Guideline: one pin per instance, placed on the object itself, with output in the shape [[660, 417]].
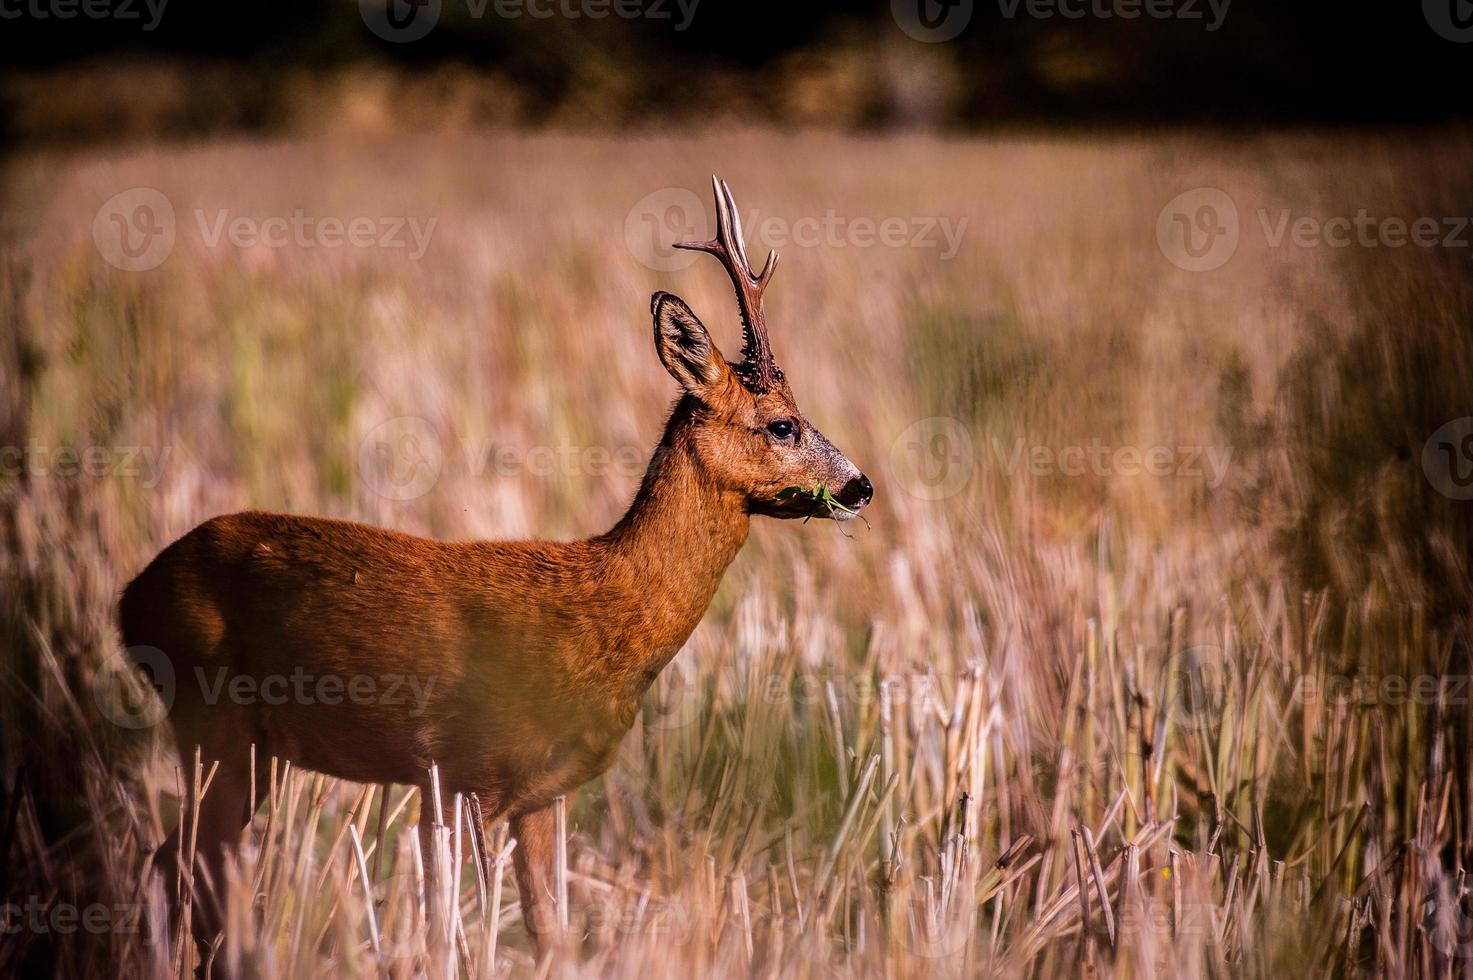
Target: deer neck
[[675, 543]]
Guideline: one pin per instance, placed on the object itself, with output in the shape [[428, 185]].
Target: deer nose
[[857, 492]]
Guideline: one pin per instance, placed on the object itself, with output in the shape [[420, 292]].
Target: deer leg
[[532, 860]]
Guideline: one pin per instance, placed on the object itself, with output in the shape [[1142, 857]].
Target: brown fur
[[533, 655]]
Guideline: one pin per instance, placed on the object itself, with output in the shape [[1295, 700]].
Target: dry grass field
[[1152, 659]]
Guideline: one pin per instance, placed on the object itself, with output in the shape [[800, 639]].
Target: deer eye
[[781, 429]]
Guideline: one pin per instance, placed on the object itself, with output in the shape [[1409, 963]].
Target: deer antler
[[758, 370]]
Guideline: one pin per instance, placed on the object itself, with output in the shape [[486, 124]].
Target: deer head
[[748, 432]]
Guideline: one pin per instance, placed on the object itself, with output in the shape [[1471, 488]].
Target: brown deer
[[533, 655]]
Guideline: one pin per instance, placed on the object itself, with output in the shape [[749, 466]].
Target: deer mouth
[[785, 508], [818, 501]]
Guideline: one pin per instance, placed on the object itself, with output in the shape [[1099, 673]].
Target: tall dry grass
[[1024, 723]]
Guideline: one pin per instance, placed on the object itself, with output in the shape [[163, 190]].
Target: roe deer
[[534, 655]]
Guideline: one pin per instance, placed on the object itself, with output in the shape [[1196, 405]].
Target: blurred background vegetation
[[309, 66]]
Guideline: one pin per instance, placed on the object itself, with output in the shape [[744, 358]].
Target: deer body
[[516, 667], [491, 648]]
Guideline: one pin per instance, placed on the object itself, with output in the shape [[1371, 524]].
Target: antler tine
[[734, 226], [758, 369], [729, 224]]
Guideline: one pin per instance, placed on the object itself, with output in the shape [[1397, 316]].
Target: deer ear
[[684, 345]]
